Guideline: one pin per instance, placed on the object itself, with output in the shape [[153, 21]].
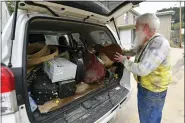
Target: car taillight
[[8, 96]]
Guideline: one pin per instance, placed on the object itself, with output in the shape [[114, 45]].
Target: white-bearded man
[[151, 68]]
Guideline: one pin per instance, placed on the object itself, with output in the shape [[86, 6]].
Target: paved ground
[[174, 107]]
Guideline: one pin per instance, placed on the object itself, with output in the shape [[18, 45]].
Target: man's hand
[[120, 58]]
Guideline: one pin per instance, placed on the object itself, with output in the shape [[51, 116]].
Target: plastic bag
[[95, 71]]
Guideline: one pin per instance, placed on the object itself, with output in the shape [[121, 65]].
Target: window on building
[[133, 35], [100, 37], [126, 18], [134, 19], [76, 38]]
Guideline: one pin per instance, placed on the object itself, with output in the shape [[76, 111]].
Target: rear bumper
[[111, 114], [107, 110], [107, 118], [104, 112], [11, 118], [97, 109]]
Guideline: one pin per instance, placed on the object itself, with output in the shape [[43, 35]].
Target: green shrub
[[175, 26], [173, 45]]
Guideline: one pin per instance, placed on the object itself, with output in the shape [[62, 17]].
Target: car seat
[[36, 38]]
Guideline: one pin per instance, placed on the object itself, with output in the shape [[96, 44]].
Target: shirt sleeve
[[155, 54]]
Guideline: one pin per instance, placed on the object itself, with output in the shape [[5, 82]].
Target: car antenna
[[13, 31]]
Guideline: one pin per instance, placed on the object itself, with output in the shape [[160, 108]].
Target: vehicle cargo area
[[67, 63]]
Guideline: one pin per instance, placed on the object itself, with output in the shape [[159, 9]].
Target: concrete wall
[[126, 38], [126, 35], [131, 20], [165, 26]]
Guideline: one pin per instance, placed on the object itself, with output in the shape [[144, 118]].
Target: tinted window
[[57, 40], [100, 37], [76, 38]]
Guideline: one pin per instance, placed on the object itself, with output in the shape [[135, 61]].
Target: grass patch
[[173, 45], [177, 25]]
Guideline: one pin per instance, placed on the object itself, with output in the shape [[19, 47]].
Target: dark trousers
[[150, 105]]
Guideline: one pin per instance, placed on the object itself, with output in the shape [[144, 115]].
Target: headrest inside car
[[62, 40], [36, 38]]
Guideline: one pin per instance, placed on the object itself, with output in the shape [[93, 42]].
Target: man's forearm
[[136, 68]]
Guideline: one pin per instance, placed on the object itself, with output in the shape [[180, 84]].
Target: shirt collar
[[151, 38], [140, 47], [154, 36]]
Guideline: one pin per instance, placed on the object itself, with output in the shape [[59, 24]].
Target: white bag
[[60, 69]]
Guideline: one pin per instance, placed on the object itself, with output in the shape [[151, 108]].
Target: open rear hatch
[[94, 11], [101, 98], [70, 104]]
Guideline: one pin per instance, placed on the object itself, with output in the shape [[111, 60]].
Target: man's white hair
[[151, 19]]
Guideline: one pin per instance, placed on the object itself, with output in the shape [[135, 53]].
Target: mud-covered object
[[97, 48], [95, 71], [81, 88], [42, 89], [31, 75], [111, 50], [119, 69], [40, 99], [66, 88], [80, 71], [106, 61]]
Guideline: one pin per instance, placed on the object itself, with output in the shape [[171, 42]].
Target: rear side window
[[76, 38], [57, 40], [100, 37], [51, 39]]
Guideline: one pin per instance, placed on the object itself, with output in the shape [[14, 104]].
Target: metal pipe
[[180, 26]]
